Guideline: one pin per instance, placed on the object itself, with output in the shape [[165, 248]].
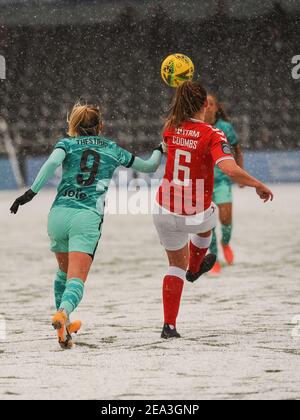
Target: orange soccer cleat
[[228, 254], [59, 323], [216, 270], [74, 327]]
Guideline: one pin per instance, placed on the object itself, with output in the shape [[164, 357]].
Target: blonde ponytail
[[84, 120]]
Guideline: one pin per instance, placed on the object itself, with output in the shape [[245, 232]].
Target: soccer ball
[[177, 69]]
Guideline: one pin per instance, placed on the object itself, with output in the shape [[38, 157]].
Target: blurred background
[[110, 53]]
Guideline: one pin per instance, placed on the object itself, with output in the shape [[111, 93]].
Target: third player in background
[[222, 197]]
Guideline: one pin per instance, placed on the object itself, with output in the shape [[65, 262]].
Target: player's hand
[[20, 201], [159, 148], [163, 148], [264, 193]]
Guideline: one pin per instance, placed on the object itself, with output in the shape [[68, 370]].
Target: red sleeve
[[166, 136], [220, 147]]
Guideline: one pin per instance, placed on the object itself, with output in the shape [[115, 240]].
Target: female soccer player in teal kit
[[75, 220], [216, 116]]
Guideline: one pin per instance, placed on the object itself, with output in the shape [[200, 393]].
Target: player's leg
[[60, 287], [83, 237], [223, 199], [61, 276], [217, 198], [225, 210], [78, 270], [58, 234], [175, 243], [214, 241], [200, 263], [84, 234], [79, 267], [216, 270], [173, 284], [179, 260], [199, 245]]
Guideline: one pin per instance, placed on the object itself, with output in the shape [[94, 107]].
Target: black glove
[[24, 199], [160, 148]]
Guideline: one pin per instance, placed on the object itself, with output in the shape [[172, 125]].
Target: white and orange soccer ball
[[177, 69]]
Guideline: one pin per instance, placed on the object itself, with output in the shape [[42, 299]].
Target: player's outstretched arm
[[240, 176], [150, 165], [238, 155], [47, 171]]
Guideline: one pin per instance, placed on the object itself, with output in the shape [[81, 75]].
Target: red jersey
[[193, 151]]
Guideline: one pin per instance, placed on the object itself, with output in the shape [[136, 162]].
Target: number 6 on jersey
[[181, 169]]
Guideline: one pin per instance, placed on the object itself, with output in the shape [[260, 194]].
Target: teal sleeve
[[63, 144], [150, 165], [232, 136], [48, 169], [124, 157]]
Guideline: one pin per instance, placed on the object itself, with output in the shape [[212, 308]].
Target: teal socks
[[214, 245], [226, 238], [59, 287], [72, 295], [226, 234]]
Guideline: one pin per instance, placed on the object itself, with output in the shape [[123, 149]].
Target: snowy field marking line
[[237, 330]]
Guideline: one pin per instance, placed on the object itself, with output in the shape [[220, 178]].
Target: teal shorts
[[74, 230], [222, 193]]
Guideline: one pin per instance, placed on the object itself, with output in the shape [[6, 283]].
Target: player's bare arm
[[238, 155], [240, 176]]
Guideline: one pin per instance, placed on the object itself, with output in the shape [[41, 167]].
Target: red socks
[[198, 249], [174, 280], [172, 291]]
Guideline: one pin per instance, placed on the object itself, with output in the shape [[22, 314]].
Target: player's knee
[[226, 222], [181, 263], [226, 218], [78, 273]]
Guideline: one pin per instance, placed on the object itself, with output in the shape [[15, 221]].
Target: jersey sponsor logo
[[179, 141], [76, 194], [187, 133]]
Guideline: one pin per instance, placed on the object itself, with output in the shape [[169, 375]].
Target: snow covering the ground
[[237, 330]]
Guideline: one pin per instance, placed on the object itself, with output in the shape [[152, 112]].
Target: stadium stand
[[247, 62]]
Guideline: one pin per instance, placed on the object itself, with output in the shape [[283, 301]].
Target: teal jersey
[[88, 168], [232, 137]]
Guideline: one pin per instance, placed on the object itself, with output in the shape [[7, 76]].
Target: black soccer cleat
[[208, 263], [169, 332]]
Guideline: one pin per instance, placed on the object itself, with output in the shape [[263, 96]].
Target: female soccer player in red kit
[[184, 201]]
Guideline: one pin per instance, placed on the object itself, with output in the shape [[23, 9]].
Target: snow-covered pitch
[[240, 334]]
